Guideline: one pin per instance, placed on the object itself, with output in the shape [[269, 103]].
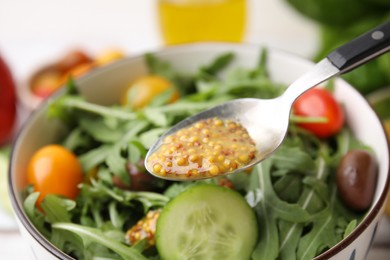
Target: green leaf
[[268, 245], [219, 63], [155, 117], [345, 142], [293, 159], [70, 102], [150, 137], [322, 235], [117, 165], [70, 86], [289, 187], [76, 139], [100, 131], [163, 98], [57, 209], [134, 129], [290, 233], [136, 151], [95, 235], [261, 181], [94, 157], [270, 208], [35, 216], [115, 217], [261, 69], [159, 67], [104, 174], [350, 227], [29, 204]]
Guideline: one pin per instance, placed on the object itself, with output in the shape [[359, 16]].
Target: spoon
[[267, 120]]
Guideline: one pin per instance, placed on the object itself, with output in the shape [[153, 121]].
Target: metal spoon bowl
[[267, 120]]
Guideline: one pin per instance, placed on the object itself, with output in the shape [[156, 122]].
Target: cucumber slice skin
[[207, 222]]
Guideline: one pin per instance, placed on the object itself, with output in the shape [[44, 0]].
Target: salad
[[97, 201]]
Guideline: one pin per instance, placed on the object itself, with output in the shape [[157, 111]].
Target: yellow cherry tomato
[[108, 56], [142, 91], [54, 170]]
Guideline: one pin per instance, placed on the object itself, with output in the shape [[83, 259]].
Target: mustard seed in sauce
[[205, 149]]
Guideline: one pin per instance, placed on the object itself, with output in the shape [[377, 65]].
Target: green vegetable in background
[[383, 3], [336, 12]]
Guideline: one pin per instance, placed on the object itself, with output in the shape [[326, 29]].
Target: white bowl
[[105, 85]]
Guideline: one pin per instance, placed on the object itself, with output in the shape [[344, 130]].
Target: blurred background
[[44, 41]]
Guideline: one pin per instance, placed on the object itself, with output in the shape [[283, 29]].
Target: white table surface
[[35, 32]]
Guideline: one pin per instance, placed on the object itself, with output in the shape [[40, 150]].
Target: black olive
[[356, 179]]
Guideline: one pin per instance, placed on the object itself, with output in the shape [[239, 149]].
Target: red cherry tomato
[[54, 170], [7, 103], [319, 102]]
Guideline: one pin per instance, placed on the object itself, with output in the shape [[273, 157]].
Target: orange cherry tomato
[[318, 102], [54, 170], [73, 59], [76, 72], [142, 91]]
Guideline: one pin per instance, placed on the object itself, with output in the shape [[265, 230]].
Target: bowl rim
[[34, 233]]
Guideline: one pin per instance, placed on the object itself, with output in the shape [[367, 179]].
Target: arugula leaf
[[270, 211], [261, 184], [116, 218], [345, 141], [57, 209], [36, 216], [156, 117], [322, 234], [293, 159], [268, 245], [88, 235], [150, 137], [290, 234], [101, 131], [77, 139], [220, 62], [162, 99], [117, 165], [68, 103], [94, 157], [136, 151], [289, 187], [111, 153], [350, 227]]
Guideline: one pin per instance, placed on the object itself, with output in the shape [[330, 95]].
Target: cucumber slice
[[207, 222]]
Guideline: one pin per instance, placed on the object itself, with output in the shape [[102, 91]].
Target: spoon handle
[[362, 49]]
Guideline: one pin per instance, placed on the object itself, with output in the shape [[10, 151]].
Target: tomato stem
[[308, 119]]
